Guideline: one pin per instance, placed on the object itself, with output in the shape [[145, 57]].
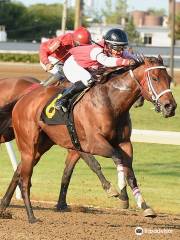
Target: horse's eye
[[154, 78]]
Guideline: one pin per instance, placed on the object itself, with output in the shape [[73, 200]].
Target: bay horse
[[12, 90], [102, 123]]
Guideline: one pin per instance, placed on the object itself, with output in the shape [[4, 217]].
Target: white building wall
[[161, 39], [160, 35]]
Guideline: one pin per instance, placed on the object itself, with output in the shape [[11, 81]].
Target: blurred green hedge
[[14, 57]]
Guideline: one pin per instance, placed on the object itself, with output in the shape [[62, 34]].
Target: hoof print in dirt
[[5, 215]]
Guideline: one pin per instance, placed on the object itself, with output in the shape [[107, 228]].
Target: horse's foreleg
[[127, 152], [95, 167], [25, 183], [10, 191], [123, 196], [71, 160]]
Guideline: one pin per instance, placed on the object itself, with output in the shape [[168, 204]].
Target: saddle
[[51, 116]]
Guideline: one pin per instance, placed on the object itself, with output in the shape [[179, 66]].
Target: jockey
[[110, 52], [55, 51]]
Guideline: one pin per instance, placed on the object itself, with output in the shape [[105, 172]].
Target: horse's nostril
[[167, 106], [170, 107]]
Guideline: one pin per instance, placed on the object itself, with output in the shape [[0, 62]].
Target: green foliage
[[157, 12], [114, 16], [12, 15], [27, 58], [133, 35], [33, 22], [177, 27]]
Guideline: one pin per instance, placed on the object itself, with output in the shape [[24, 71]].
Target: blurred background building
[[3, 34]]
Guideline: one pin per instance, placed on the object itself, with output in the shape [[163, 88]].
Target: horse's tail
[[6, 116]]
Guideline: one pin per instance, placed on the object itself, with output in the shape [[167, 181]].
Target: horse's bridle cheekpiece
[[155, 97]]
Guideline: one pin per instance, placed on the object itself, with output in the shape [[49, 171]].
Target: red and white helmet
[[82, 36]]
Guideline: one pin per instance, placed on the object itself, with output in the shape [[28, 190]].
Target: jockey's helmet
[[115, 40], [81, 36]]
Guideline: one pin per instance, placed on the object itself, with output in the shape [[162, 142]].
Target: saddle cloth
[[50, 115]]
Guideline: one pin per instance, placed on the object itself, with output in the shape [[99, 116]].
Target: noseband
[[154, 96]]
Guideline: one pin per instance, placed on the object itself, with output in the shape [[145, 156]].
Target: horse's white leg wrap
[[121, 177], [138, 197]]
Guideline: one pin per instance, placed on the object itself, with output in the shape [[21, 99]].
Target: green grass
[[156, 168], [146, 118]]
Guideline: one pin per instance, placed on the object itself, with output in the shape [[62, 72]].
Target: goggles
[[118, 48]]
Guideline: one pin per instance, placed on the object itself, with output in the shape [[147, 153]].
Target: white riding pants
[[52, 60], [74, 72]]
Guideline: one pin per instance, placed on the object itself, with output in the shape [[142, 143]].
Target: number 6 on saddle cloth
[[52, 116]]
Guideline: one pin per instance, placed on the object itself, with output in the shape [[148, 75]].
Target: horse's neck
[[123, 92]]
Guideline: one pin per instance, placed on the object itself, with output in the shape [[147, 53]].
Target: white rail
[[161, 137], [14, 163]]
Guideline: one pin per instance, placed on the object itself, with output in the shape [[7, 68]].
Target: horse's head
[[155, 85]]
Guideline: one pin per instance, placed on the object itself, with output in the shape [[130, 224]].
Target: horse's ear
[[160, 59], [146, 61]]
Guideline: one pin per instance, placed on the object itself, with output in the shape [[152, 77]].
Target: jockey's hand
[[49, 67], [139, 58], [132, 62]]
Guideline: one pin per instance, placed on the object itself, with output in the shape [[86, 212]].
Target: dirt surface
[[86, 223], [21, 69], [80, 222]]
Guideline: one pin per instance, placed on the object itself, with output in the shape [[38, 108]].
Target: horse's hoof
[[34, 220], [112, 192], [124, 204], [61, 207], [149, 212]]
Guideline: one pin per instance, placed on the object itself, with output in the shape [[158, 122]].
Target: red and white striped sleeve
[[98, 55]]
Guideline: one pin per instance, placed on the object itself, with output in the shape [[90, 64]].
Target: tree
[[177, 27], [133, 35], [157, 12], [33, 22], [11, 14], [114, 16]]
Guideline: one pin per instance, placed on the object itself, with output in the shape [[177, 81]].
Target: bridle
[[154, 96]]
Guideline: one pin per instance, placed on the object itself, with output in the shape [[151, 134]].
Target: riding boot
[[53, 79], [68, 93]]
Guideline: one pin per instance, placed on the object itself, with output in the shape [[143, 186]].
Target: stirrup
[[59, 107]]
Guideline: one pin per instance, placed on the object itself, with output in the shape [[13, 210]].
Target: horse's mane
[[153, 60], [119, 71]]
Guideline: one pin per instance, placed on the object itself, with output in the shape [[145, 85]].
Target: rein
[[155, 97]]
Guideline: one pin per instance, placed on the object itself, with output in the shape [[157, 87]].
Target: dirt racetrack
[[81, 222], [21, 69], [86, 223]]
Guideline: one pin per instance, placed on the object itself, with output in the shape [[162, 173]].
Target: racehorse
[[102, 123], [12, 90]]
